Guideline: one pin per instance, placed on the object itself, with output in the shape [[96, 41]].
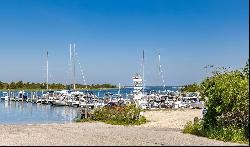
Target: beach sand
[[164, 129]]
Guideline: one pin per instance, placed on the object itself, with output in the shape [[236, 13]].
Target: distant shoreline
[[79, 89], [56, 89]]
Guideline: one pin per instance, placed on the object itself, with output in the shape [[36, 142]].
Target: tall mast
[[70, 55], [143, 83], [70, 62], [119, 88], [160, 70], [47, 65], [74, 66]]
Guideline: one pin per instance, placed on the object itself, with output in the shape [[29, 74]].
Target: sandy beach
[[164, 128]]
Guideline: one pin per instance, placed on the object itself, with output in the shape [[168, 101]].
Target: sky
[[110, 36]]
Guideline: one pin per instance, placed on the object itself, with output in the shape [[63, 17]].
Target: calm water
[[28, 113]]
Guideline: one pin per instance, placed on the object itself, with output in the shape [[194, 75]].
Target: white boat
[[74, 99], [60, 102], [21, 96], [60, 98], [5, 96]]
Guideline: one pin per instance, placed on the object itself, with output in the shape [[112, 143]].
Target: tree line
[[39, 86]]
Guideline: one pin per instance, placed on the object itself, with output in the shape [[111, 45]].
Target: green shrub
[[195, 129], [120, 115], [229, 133], [191, 88], [228, 103], [227, 116]]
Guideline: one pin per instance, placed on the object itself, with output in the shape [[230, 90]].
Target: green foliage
[[195, 128], [227, 116], [120, 115], [228, 102], [228, 133], [191, 88], [246, 69]]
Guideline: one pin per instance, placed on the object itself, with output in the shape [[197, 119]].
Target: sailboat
[[44, 99]]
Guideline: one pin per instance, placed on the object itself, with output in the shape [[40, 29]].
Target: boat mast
[[143, 83], [47, 65], [70, 62], [160, 70], [119, 88], [74, 67]]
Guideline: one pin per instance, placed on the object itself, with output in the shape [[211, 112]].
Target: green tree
[[246, 69], [1, 85], [191, 88], [228, 100]]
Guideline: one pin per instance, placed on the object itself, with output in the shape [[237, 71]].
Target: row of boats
[[152, 99], [66, 98]]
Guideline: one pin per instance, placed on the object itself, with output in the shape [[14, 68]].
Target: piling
[[196, 120], [85, 112], [31, 97]]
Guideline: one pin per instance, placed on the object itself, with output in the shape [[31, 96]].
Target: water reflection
[[12, 112]]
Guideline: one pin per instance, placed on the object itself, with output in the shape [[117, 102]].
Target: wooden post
[[9, 93], [31, 96], [85, 113], [196, 119]]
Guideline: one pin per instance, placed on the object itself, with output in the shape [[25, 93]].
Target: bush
[[195, 129], [228, 103], [229, 133], [191, 88], [227, 116], [119, 115]]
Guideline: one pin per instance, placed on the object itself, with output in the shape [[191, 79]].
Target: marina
[[24, 107], [124, 73], [77, 102]]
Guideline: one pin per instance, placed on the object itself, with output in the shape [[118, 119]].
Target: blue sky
[[110, 36]]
